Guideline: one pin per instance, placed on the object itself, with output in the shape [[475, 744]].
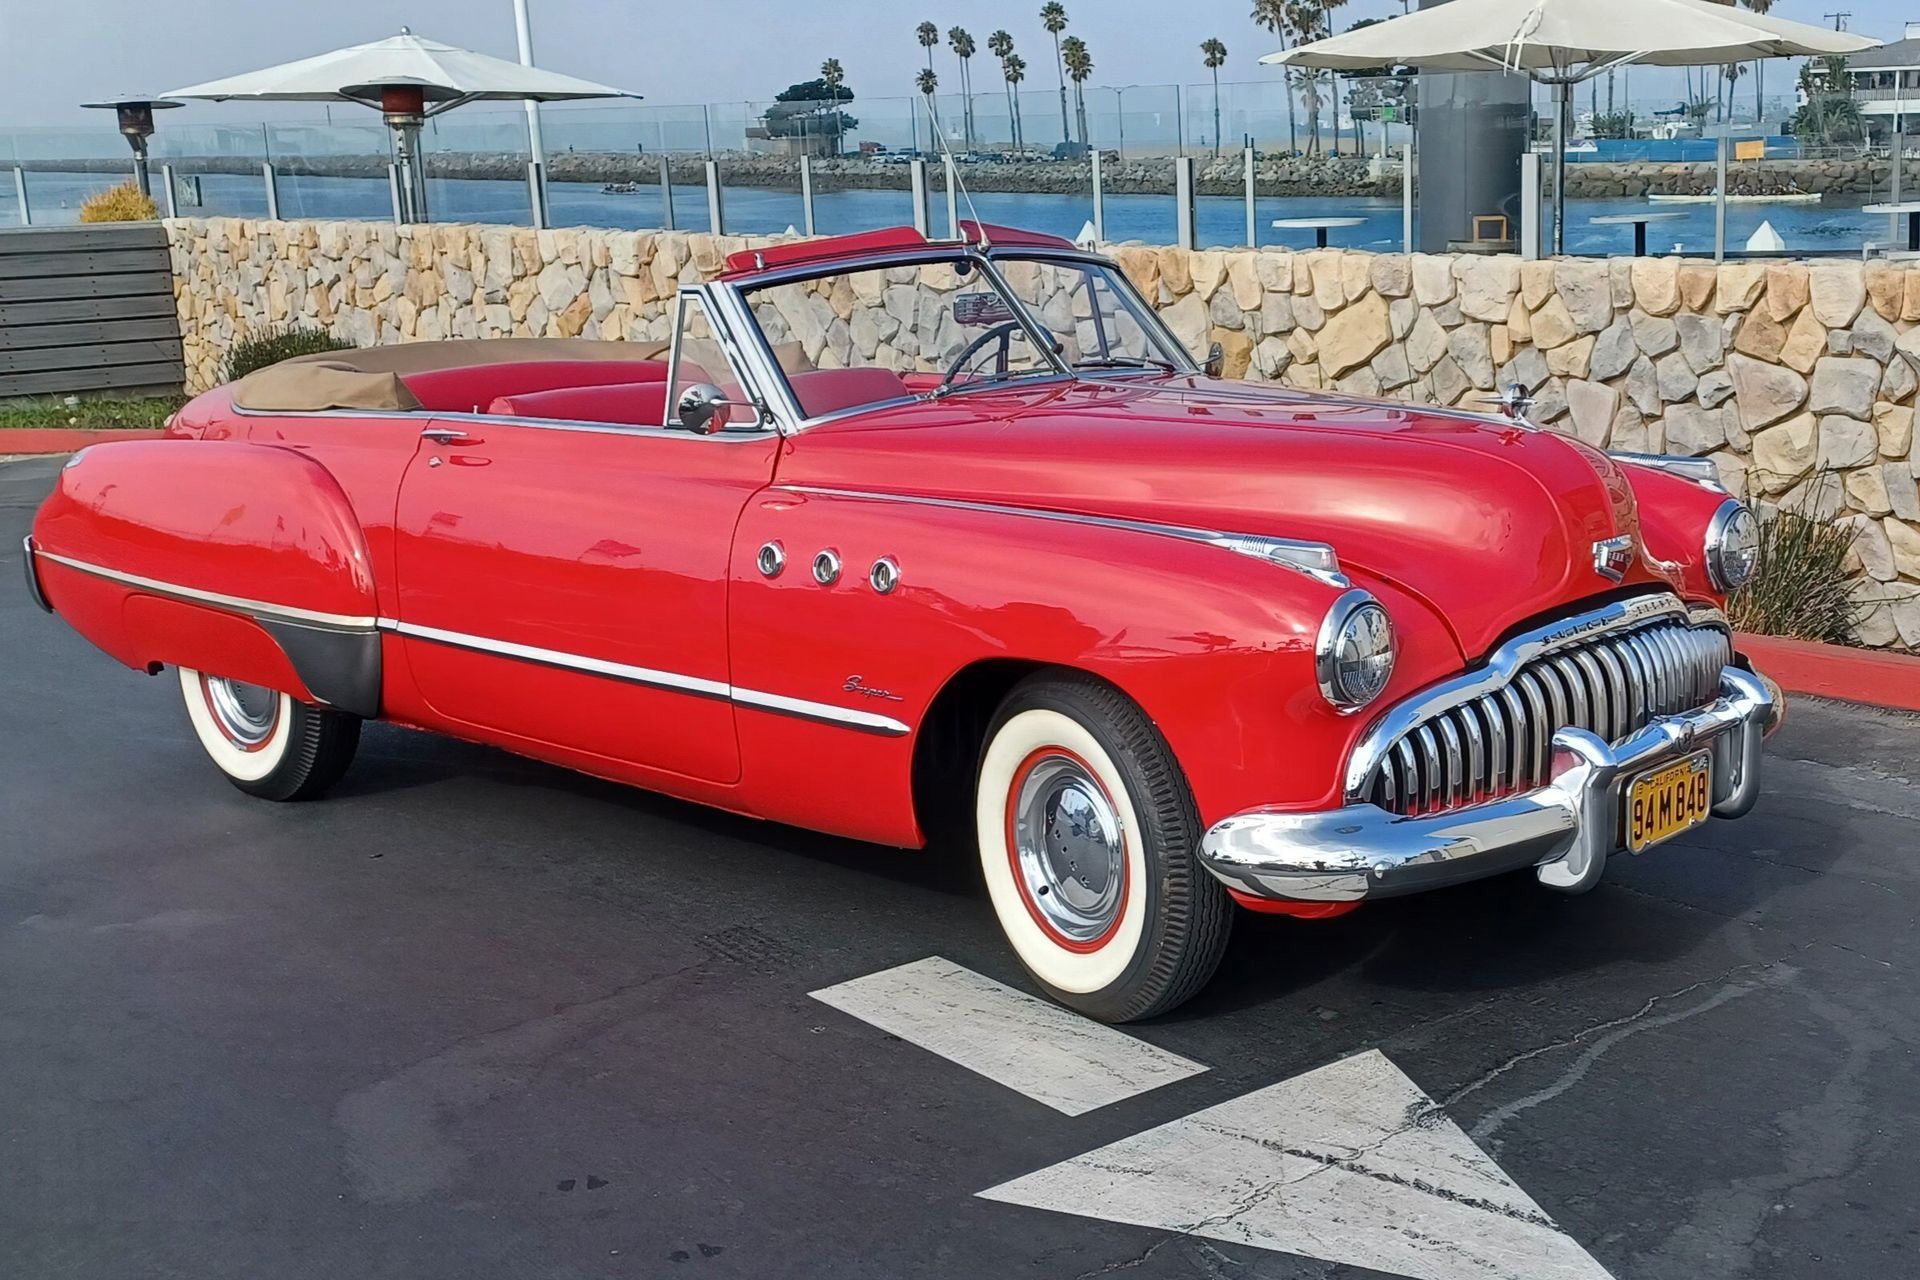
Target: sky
[[57, 53]]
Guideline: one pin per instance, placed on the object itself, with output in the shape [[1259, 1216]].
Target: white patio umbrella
[[407, 78], [1563, 42]]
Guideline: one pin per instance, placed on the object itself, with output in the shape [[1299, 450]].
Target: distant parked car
[[898, 537]]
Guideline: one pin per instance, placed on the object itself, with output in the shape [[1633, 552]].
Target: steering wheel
[[1003, 333]]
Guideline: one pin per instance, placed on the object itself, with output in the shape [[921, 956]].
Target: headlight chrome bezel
[[1352, 609], [1732, 516]]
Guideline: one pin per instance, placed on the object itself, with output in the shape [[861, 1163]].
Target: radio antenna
[[953, 167]]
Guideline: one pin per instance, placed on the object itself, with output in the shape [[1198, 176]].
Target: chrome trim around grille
[[1607, 671], [1565, 829]]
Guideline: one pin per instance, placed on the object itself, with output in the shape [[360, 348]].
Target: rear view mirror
[[1216, 361], [701, 408]]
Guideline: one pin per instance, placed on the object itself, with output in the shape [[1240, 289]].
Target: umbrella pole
[[1562, 99], [413, 178]]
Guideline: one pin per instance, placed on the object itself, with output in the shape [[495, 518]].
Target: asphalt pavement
[[472, 1016]]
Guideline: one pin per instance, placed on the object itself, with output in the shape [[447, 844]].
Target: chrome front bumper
[[1564, 830]]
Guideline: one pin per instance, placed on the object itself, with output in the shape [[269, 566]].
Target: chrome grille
[[1501, 742]]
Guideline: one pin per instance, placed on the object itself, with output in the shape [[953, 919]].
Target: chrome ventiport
[[826, 567], [884, 576], [771, 560]]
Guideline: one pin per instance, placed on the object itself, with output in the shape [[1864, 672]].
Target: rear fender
[[242, 560]]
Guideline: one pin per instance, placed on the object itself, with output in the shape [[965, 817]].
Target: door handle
[[446, 435]]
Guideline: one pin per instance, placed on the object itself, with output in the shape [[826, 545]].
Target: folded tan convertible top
[[370, 378]]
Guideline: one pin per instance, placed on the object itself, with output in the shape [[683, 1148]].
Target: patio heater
[[135, 116], [404, 108]]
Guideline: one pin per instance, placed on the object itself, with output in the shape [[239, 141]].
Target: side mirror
[[1216, 361], [701, 408]]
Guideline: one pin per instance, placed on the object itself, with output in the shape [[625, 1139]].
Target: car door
[[565, 582]]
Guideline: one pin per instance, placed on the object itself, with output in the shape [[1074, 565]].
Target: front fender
[[238, 559], [1217, 647]]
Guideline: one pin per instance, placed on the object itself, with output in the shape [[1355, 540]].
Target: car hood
[[1490, 523]]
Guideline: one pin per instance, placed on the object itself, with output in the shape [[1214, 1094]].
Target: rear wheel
[[1087, 834], [267, 743]]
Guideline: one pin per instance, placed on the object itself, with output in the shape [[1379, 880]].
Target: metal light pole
[[536, 143]]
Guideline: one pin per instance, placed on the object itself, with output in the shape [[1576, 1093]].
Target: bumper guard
[[1565, 830]]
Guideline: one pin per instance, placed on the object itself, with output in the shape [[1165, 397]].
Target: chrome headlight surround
[[1733, 546], [1354, 653]]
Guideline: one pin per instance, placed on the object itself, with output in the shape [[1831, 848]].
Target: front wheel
[[1088, 835], [267, 743]]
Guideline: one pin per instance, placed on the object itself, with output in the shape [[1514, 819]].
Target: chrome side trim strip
[[696, 686], [558, 658], [234, 604], [1497, 672], [1315, 559], [1697, 469]]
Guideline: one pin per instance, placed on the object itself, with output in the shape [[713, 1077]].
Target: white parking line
[[1052, 1055], [1349, 1164]]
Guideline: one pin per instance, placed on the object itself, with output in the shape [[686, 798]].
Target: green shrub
[[1802, 588], [123, 203], [281, 342]]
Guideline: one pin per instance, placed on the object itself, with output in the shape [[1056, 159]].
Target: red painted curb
[[66, 439], [1872, 676]]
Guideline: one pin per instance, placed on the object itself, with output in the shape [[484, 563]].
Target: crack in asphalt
[[1600, 1028]]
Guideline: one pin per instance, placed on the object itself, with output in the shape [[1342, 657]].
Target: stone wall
[[1796, 379]]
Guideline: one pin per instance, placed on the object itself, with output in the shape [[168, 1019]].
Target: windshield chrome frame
[[731, 302]]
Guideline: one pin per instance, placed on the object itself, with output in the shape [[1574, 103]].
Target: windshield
[[871, 334], [1095, 317]]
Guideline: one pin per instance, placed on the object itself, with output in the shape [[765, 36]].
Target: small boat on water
[[1781, 197], [620, 189]]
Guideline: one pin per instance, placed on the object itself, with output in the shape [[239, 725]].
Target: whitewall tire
[[267, 743], [1087, 834]]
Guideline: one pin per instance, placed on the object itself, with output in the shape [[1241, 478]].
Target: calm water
[[55, 198]]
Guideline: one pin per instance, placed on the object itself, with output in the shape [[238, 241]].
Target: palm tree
[[1731, 74], [929, 37], [835, 75], [1305, 20], [1015, 70], [1079, 65], [1759, 69], [1053, 16], [1272, 14], [1214, 53], [1327, 8], [1000, 45], [926, 81], [964, 48]]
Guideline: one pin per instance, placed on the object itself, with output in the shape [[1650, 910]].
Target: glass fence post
[[716, 211], [1186, 234], [172, 201], [1253, 227], [953, 200], [922, 202], [806, 194], [1099, 201], [20, 195], [666, 193], [534, 202], [271, 181]]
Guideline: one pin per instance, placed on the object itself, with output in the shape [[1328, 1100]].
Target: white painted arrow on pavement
[[1350, 1163]]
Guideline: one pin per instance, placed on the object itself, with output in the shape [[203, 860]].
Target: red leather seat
[[823, 391], [471, 387], [632, 404]]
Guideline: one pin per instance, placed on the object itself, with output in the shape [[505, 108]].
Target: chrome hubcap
[[246, 713], [1069, 848]]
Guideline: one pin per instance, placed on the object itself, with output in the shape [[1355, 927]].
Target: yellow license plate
[[1666, 801]]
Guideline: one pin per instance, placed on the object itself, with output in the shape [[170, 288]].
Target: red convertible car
[[897, 536]]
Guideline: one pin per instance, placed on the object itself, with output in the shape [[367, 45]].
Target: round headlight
[[1733, 546], [1354, 654]]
